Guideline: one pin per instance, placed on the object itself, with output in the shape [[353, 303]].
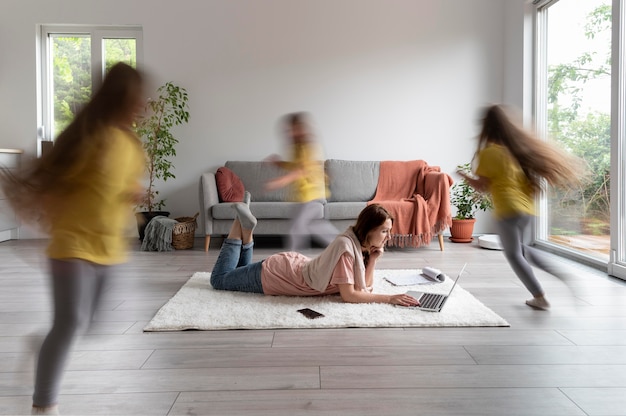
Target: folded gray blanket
[[158, 234]]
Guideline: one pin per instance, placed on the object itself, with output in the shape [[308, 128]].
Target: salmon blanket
[[418, 198]]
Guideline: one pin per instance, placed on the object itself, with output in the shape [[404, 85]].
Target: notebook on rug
[[434, 302], [425, 276]]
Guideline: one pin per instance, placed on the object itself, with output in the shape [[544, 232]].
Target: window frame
[[617, 261], [97, 33], [540, 232]]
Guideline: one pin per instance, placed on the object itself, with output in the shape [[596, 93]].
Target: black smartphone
[[310, 313]]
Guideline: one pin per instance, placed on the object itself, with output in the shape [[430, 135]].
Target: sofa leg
[[440, 237], [207, 241]]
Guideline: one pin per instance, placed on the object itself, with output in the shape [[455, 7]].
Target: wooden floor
[[568, 361]]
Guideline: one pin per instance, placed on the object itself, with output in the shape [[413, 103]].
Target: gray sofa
[[351, 185]]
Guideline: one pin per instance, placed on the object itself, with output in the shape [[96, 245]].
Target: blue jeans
[[233, 269]]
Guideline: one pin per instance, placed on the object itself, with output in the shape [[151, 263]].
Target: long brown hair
[[371, 216], [537, 158], [112, 104]]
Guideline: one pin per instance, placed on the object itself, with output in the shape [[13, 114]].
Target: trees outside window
[[73, 59]]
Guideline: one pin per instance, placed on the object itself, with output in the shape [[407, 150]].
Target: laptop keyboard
[[430, 300]]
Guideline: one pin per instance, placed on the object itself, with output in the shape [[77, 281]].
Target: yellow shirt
[[88, 221], [311, 184], [509, 187]]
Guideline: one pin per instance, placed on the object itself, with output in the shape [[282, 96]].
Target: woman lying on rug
[[346, 266]]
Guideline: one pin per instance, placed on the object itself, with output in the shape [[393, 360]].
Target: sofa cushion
[[262, 210], [255, 175], [229, 186], [273, 210], [343, 210], [351, 180]]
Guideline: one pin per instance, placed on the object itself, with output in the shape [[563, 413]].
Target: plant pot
[[144, 217], [461, 230]]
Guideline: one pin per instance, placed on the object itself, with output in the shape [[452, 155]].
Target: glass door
[[573, 108]]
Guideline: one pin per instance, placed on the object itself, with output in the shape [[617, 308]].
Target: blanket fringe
[[408, 240], [414, 241], [442, 225], [158, 234]]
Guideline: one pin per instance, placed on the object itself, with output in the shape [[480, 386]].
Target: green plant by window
[[155, 130], [466, 199]]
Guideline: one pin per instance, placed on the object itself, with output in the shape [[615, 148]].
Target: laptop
[[433, 302]]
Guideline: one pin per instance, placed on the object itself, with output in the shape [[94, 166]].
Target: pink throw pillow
[[229, 185]]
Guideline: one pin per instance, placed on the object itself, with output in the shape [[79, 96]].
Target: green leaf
[[162, 114], [466, 199]]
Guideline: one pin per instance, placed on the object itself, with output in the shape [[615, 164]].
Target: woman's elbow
[[347, 299], [350, 297]]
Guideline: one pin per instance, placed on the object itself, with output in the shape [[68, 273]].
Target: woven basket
[[183, 232]]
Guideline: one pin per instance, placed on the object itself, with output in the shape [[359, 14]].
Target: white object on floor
[[425, 276], [490, 241], [198, 306]]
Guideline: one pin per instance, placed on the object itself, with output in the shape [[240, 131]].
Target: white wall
[[383, 79]]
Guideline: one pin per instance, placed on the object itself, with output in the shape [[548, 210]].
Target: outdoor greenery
[[585, 134], [155, 129], [466, 199], [71, 72]]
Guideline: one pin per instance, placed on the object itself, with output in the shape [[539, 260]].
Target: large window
[[573, 107], [73, 60]]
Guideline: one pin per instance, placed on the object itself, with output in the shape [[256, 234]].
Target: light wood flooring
[[569, 361]]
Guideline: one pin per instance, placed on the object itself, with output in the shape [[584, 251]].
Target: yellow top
[[310, 185], [509, 187], [88, 221]]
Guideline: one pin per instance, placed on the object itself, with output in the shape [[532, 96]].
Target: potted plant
[[155, 130], [467, 202]]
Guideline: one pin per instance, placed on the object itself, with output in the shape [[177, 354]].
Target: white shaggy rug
[[198, 306]]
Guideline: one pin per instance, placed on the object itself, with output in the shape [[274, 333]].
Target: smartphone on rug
[[310, 313]]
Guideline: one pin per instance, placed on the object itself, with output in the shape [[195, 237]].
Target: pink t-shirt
[[281, 274]]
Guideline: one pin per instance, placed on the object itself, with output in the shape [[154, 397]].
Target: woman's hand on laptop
[[403, 300]]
